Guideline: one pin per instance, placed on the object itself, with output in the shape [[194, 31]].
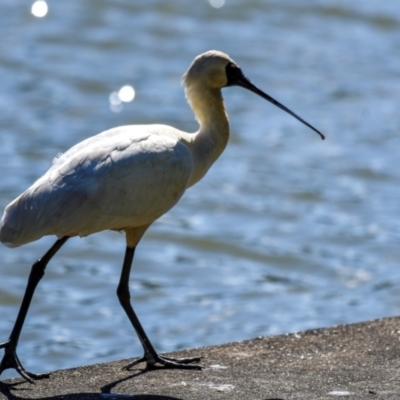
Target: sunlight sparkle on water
[[124, 95], [39, 8], [217, 3]]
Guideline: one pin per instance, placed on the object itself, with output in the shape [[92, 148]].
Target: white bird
[[124, 179]]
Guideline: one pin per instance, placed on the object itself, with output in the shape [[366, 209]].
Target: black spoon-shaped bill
[[237, 78]]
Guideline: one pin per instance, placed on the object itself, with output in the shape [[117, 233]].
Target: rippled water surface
[[286, 232]]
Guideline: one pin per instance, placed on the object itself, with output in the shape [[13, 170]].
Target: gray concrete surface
[[360, 361]]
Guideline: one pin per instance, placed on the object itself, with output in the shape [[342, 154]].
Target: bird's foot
[[11, 360], [168, 362]]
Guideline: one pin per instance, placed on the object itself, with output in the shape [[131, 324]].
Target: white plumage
[[124, 179]]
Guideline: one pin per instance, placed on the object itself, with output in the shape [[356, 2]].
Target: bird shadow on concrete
[[12, 392], [8, 391]]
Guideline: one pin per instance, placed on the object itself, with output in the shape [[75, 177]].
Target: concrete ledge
[[360, 361]]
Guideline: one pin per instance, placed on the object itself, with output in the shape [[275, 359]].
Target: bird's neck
[[211, 139]]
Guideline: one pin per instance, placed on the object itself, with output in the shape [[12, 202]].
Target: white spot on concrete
[[217, 366], [339, 393]]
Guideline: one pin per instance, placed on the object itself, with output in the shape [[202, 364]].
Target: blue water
[[286, 232]]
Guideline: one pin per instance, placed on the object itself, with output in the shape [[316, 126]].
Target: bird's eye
[[233, 73]]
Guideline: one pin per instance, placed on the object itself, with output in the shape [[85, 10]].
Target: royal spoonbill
[[124, 179]]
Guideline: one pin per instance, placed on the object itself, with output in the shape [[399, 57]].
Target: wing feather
[[124, 177]]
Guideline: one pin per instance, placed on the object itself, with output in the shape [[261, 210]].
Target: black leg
[[10, 358], [150, 355]]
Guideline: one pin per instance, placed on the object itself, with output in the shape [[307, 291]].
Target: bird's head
[[209, 69], [215, 70]]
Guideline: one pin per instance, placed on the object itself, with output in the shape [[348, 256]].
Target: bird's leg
[[10, 358], [150, 355]]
